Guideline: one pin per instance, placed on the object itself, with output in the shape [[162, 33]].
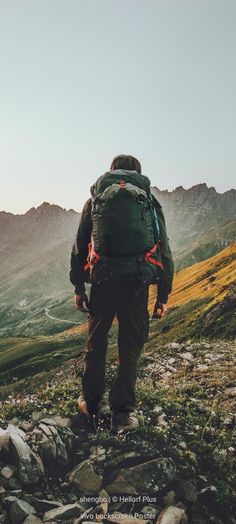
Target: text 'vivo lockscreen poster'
[[117, 262]]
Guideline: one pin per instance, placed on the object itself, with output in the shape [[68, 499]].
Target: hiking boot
[[83, 408], [123, 421]]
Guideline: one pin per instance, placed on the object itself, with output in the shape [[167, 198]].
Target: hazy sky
[[84, 80]]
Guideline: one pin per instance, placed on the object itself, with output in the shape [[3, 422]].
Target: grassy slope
[[202, 302]]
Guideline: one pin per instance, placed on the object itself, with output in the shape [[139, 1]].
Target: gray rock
[[17, 430], [4, 482], [202, 367], [62, 457], [14, 484], [174, 345], [26, 426], [15, 493], [157, 410], [2, 490], [48, 450], [61, 421], [209, 490], [97, 454], [55, 441], [41, 505], [10, 499], [86, 514], [14, 421], [31, 519], [48, 421], [169, 498], [85, 478], [96, 511], [8, 471], [172, 515], [4, 439], [63, 513], [24, 459], [4, 519], [36, 416], [19, 510], [114, 457], [231, 392], [147, 477], [189, 490], [186, 356]]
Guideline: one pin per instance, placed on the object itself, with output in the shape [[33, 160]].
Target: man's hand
[[160, 310], [81, 302]]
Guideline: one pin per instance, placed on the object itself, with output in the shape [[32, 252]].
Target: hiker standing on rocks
[[121, 248]]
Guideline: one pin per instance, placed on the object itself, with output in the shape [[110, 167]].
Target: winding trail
[[61, 320]]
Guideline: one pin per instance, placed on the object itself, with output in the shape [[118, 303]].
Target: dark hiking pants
[[128, 301]]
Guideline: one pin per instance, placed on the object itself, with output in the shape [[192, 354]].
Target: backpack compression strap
[[149, 258], [92, 258]]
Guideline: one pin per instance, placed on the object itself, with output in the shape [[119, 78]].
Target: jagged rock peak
[[48, 209], [202, 187]]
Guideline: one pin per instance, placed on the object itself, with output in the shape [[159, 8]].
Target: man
[[113, 291]]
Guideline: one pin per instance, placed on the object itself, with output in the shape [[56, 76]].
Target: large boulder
[[85, 478], [19, 510], [147, 477], [54, 441], [29, 465], [41, 505]]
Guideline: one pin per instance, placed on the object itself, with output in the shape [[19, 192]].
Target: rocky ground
[[178, 467]]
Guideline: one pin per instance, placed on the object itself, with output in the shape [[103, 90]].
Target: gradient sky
[[85, 80]]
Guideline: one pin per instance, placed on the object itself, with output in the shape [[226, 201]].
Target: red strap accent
[[153, 250], [92, 258], [153, 261], [148, 257]]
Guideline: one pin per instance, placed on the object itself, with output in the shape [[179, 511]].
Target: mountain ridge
[[178, 189]]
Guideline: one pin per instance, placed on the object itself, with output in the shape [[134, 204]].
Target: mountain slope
[[203, 300], [207, 245], [202, 304], [192, 212], [34, 264]]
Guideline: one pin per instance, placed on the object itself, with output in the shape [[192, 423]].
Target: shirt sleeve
[[80, 249]]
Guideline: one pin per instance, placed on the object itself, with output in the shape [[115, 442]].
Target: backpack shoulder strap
[[155, 208]]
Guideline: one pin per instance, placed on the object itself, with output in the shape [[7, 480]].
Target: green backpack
[[124, 243]]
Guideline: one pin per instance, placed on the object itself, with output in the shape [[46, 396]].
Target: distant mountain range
[[192, 212], [35, 252]]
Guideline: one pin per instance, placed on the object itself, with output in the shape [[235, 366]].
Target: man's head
[[126, 162]]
